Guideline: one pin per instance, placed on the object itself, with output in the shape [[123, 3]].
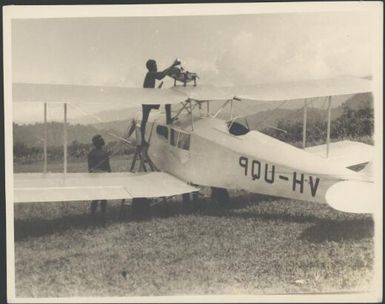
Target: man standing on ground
[[98, 161]]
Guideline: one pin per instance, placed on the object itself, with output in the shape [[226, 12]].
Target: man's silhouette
[[149, 82], [98, 161]]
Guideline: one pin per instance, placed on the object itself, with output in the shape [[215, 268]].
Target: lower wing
[[55, 187]]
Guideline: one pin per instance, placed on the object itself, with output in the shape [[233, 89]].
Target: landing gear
[[186, 198], [220, 195], [191, 201], [144, 159], [140, 208]]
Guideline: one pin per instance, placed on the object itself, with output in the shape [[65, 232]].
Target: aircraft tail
[[346, 153], [352, 196], [368, 169]]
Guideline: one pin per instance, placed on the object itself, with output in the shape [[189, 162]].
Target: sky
[[223, 50]]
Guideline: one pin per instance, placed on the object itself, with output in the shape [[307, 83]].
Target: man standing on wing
[[149, 82]]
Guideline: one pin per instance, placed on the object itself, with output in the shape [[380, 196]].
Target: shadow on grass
[[324, 229], [39, 227], [328, 230], [281, 217], [238, 208]]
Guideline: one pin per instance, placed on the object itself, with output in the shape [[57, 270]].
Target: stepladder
[[140, 162]]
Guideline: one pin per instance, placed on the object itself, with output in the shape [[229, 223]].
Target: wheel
[[123, 212], [186, 198], [191, 201], [140, 208], [195, 197], [220, 195]]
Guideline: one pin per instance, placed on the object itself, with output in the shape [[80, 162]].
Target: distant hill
[[107, 116], [267, 118], [32, 134]]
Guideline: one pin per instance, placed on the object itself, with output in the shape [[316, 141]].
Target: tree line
[[75, 150], [357, 124]]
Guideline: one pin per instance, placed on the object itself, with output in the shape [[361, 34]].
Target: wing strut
[[328, 126], [304, 124], [45, 138], [192, 117], [65, 139]]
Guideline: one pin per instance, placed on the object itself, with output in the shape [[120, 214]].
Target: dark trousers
[[103, 206], [146, 109], [168, 113]]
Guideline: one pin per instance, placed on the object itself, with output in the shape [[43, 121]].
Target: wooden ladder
[[142, 157]]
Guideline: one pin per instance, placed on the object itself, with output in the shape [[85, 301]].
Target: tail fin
[[368, 169]]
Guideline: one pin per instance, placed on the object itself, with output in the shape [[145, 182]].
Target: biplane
[[198, 149]]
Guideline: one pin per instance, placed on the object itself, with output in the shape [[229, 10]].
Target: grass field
[[258, 245]]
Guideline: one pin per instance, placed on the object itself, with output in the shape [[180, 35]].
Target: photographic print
[[194, 153]]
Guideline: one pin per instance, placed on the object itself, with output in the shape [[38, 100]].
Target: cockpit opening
[[238, 128]]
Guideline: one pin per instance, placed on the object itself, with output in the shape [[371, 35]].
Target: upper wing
[[280, 91], [302, 89], [54, 187], [23, 92], [80, 94]]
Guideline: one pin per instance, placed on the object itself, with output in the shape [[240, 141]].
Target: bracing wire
[[101, 121], [117, 146], [266, 118]]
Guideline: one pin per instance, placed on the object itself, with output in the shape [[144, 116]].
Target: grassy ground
[[259, 245]]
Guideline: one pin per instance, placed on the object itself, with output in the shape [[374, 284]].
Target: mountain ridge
[[32, 134]]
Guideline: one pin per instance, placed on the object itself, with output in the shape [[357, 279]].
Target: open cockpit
[[192, 110], [236, 127]]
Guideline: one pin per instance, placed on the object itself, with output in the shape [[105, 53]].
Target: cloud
[[223, 50], [206, 68], [314, 52]]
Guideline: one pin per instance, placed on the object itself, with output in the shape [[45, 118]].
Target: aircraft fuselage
[[206, 154]]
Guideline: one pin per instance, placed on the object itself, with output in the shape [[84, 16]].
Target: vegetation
[[354, 124], [76, 151], [32, 134]]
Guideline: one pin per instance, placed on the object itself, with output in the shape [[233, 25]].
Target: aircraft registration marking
[[258, 170]]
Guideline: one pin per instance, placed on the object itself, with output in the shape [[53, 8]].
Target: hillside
[[32, 134], [267, 118]]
